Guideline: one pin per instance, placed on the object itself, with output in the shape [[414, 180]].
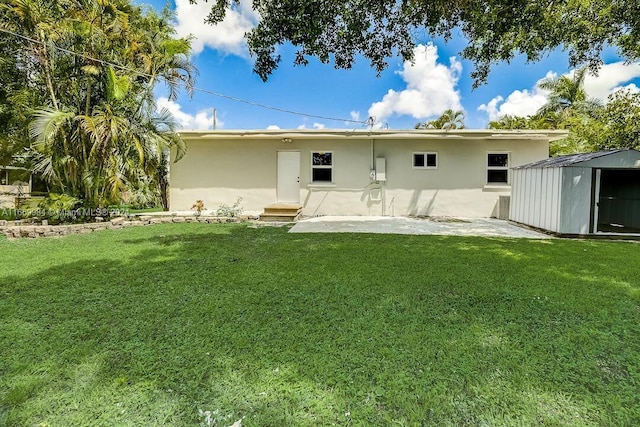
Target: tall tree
[[496, 30], [620, 119], [616, 124], [567, 96], [449, 120], [97, 135]]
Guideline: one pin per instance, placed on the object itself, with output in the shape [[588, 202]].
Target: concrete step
[[281, 212]]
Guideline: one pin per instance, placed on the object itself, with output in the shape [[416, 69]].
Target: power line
[[194, 88]]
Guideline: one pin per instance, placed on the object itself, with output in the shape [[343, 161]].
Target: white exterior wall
[[458, 187], [8, 194], [535, 199], [218, 171]]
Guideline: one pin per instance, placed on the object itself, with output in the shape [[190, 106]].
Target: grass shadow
[[163, 325]]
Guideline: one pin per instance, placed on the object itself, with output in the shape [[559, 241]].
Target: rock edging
[[13, 231]]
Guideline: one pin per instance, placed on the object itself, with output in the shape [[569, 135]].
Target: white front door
[[288, 190]]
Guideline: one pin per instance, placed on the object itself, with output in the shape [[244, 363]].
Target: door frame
[[288, 176], [597, 176]]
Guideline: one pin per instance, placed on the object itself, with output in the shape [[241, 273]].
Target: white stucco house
[[355, 172], [15, 182]]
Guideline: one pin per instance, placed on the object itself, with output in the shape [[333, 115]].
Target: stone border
[[13, 231]]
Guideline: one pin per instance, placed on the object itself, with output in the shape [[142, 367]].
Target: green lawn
[[196, 324]]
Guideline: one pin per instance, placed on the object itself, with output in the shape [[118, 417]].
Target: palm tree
[[567, 96], [102, 136], [449, 120], [452, 119]]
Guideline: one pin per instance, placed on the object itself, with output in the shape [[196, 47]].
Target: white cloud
[[630, 87], [519, 103], [314, 126], [431, 88], [609, 79], [227, 36], [273, 127], [201, 120], [355, 115]]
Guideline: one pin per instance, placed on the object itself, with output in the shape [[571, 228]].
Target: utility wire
[[194, 88]]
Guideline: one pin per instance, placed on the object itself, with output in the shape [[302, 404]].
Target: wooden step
[[281, 212]]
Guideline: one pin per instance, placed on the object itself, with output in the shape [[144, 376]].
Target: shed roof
[[570, 159]]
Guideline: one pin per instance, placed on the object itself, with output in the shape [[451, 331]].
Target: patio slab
[[426, 226]]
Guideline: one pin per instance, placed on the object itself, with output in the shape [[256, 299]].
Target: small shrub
[[58, 207], [230, 211], [198, 207]]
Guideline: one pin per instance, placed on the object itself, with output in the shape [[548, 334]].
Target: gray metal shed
[[579, 194]]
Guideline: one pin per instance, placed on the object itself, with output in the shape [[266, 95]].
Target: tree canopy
[[496, 30], [592, 125], [448, 120]]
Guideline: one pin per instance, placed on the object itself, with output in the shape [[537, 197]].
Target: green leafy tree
[[97, 135], [496, 30], [568, 107], [620, 120], [513, 122], [449, 120], [567, 97]]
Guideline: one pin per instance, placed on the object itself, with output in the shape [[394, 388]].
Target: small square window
[[17, 177], [323, 175], [497, 176], [498, 168], [322, 159], [322, 166], [498, 159], [425, 160]]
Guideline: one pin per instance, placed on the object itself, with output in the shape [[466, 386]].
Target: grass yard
[[195, 324]]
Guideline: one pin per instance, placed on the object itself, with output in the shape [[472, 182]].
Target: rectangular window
[[498, 168], [322, 166], [425, 160], [17, 177]]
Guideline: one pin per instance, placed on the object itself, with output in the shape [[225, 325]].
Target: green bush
[[59, 208]]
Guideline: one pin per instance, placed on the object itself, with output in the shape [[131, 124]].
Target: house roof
[[479, 134], [568, 160]]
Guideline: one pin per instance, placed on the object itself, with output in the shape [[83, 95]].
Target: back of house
[[459, 173]]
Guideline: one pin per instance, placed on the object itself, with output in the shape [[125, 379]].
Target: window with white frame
[[322, 166], [14, 176], [425, 160], [497, 168]]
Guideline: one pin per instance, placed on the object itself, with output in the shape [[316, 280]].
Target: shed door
[[619, 201], [288, 190]]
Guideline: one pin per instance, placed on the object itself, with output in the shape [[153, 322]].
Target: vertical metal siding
[[544, 200], [556, 199], [514, 195], [576, 200], [535, 197]]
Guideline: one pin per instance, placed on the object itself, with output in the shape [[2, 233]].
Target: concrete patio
[[427, 226]]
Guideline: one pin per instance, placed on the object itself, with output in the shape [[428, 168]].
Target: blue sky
[[402, 96]]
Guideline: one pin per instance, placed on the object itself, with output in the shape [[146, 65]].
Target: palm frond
[[48, 123]]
